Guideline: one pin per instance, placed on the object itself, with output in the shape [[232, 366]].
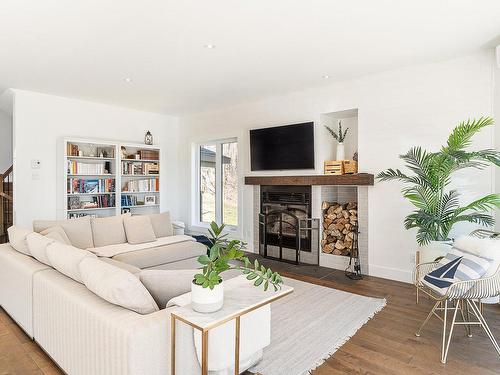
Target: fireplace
[[285, 223]]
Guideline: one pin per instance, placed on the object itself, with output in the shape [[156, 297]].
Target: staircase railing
[[6, 200]]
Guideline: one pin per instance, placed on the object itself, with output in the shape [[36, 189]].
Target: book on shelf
[[72, 149], [145, 185], [77, 167], [89, 202], [131, 200], [74, 215], [90, 186], [149, 154]]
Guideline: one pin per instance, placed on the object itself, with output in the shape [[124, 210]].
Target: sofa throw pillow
[[116, 286], [37, 245], [167, 284], [17, 239], [162, 224], [488, 248], [108, 230], [56, 233], [79, 230], [139, 229], [66, 258]]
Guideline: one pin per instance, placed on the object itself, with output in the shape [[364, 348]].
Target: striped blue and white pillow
[[471, 267], [456, 266]]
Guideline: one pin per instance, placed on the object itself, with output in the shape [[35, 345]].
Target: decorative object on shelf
[[123, 151], [73, 203], [338, 167], [207, 290], [339, 137], [148, 138], [438, 206], [149, 200], [355, 156]]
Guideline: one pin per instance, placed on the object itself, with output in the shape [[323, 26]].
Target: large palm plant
[[438, 207]]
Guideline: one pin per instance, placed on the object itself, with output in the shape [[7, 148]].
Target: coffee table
[[237, 302]]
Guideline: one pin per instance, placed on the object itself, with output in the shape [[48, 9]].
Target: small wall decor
[[149, 200], [148, 138]]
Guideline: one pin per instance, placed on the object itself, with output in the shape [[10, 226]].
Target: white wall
[[40, 124], [5, 141], [417, 105], [496, 110]]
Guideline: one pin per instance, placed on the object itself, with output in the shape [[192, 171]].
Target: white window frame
[[218, 184]]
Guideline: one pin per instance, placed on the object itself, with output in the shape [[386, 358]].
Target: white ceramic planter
[[435, 249], [340, 151], [206, 300]]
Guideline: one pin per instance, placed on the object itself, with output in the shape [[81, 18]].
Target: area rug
[[309, 325]]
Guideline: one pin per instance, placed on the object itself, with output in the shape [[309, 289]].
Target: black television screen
[[282, 147]]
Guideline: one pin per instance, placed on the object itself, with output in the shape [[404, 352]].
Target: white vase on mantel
[[340, 151], [206, 300]]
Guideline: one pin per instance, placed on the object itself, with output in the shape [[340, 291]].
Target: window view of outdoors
[[230, 183], [207, 182]]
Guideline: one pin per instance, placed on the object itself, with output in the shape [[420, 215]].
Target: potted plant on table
[[428, 188], [207, 289]]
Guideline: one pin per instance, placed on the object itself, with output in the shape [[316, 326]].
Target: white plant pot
[[206, 300], [433, 250], [340, 151]]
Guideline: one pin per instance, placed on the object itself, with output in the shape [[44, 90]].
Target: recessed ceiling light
[[210, 46], [326, 76], [128, 79]]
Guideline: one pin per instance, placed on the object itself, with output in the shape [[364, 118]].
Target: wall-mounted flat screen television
[[282, 147]]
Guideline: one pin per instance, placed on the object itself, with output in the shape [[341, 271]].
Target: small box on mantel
[[334, 167], [337, 167]]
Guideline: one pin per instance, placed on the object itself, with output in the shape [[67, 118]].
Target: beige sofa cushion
[[124, 266], [38, 247], [108, 230], [139, 229], [116, 286], [162, 224], [165, 285], [17, 239], [56, 233], [79, 231], [66, 258], [156, 256]]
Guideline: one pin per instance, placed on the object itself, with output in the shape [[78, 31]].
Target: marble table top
[[240, 297]]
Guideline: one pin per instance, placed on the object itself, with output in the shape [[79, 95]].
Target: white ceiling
[[86, 48]]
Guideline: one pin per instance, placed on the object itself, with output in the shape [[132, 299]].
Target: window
[[218, 182]]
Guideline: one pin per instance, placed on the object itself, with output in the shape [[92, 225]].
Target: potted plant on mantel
[[339, 137], [438, 207], [207, 289]]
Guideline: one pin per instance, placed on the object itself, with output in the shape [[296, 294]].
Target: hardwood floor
[[385, 345]]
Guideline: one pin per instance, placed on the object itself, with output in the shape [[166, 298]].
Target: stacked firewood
[[339, 224]]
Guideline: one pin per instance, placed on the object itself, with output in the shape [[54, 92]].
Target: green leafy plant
[[438, 207], [340, 135], [221, 252]]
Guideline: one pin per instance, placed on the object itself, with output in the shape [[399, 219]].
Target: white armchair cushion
[[488, 248], [66, 258], [116, 286], [17, 239]]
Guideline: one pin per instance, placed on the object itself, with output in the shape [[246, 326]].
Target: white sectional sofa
[[88, 335]]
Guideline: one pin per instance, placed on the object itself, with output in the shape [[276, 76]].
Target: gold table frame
[[204, 334]]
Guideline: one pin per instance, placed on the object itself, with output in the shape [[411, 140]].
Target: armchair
[[463, 296]]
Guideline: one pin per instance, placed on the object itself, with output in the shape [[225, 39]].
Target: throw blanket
[[112, 250]]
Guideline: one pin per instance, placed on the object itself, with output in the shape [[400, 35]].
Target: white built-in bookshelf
[[108, 178]]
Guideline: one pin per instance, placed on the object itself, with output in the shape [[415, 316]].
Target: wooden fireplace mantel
[[357, 179]]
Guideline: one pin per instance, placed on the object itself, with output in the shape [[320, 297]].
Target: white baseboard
[[390, 273]]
